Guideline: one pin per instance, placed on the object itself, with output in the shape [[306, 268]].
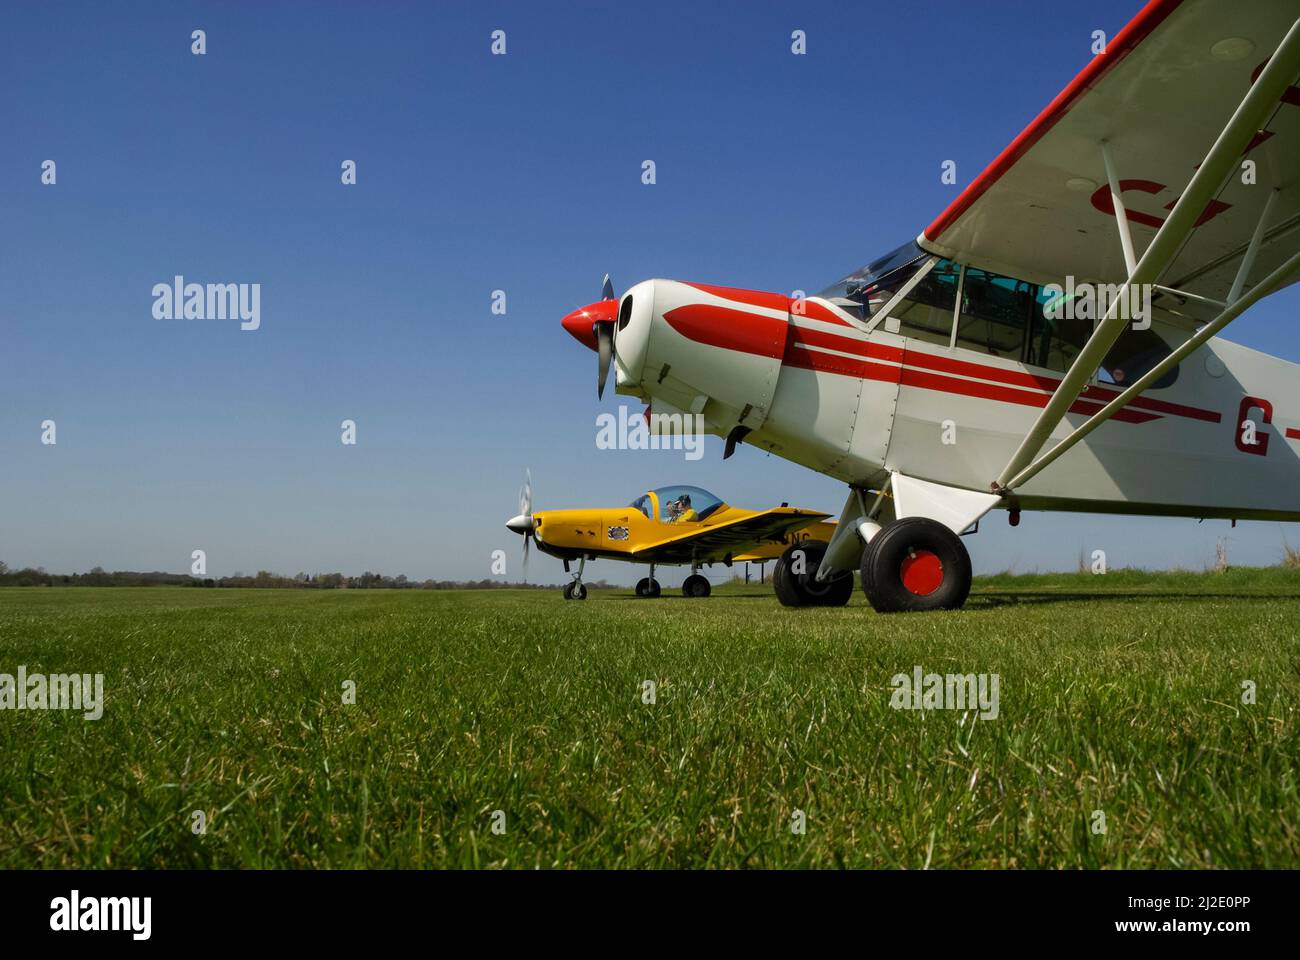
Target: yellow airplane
[[674, 525]]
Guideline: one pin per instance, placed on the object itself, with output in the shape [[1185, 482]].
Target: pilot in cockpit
[[681, 511]]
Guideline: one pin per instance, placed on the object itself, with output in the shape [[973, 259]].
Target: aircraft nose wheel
[[647, 587], [795, 578], [696, 586], [576, 590], [915, 564]]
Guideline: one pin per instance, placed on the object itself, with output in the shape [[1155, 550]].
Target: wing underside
[[1169, 166], [701, 542], [1156, 98]]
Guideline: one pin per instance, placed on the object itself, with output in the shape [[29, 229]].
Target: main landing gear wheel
[[647, 587], [795, 578], [915, 564], [696, 586]]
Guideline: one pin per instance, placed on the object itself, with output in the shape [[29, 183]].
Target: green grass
[[1119, 693]]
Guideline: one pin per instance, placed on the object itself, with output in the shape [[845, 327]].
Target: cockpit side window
[[926, 312], [998, 315], [995, 313], [1134, 353], [1057, 337]]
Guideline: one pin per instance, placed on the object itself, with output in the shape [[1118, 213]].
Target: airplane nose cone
[[520, 524], [579, 323]]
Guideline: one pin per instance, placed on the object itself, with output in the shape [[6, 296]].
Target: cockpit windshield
[[865, 291], [684, 504]]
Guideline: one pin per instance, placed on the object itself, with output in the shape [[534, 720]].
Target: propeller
[[523, 523], [604, 341], [526, 510], [605, 353]]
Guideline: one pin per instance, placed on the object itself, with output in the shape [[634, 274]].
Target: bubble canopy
[[683, 496]]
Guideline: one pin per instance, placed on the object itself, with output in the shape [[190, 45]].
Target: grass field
[[1120, 694]]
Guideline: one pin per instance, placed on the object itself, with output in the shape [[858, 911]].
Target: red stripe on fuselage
[[990, 391], [967, 368], [772, 301], [730, 329], [817, 311], [834, 341], [754, 298], [800, 356], [766, 337]]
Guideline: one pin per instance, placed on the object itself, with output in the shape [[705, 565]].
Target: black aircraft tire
[[841, 589], [696, 586], [785, 592], [804, 589]]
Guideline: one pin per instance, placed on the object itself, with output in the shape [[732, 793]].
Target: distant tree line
[[99, 577]]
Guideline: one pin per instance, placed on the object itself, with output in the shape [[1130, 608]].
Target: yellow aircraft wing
[[702, 541]]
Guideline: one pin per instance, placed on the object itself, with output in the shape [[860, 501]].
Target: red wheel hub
[[922, 572]]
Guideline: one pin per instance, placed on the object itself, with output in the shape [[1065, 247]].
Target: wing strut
[[1249, 116], [1121, 214], [1248, 259]]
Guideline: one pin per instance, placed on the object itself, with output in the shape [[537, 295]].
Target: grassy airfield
[[1120, 694]]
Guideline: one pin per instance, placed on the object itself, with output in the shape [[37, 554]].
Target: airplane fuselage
[[812, 384]]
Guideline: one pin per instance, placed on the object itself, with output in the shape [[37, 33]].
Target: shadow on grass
[[678, 595], [1002, 598], [988, 598]]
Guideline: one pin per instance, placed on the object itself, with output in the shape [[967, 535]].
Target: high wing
[[697, 541], [1191, 116], [1158, 98]]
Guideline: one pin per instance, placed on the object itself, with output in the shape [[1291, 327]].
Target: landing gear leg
[[576, 590], [648, 586]]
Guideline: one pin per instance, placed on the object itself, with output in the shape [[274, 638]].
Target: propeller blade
[[526, 495], [607, 289], [523, 524], [605, 352]]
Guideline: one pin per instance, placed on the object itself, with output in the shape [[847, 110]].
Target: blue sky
[[475, 173]]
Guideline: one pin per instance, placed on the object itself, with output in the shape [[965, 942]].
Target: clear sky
[[474, 173]]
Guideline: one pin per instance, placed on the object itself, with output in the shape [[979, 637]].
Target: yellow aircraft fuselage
[[634, 533]]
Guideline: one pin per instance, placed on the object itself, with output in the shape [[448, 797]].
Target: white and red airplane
[[982, 364]]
